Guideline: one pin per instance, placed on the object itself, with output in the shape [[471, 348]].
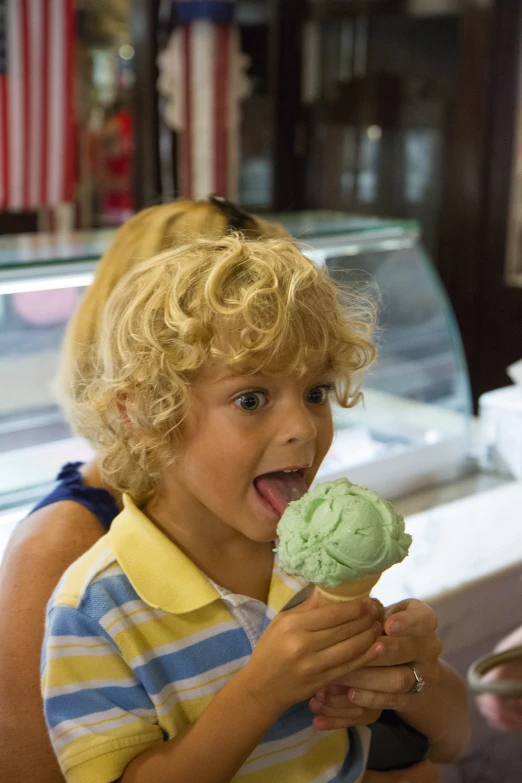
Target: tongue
[[279, 489]]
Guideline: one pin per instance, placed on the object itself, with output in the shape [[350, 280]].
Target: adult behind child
[[216, 366], [81, 510]]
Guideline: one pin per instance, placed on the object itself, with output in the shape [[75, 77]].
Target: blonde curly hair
[[149, 232], [250, 305]]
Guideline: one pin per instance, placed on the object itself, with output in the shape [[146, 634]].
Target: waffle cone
[[353, 590]]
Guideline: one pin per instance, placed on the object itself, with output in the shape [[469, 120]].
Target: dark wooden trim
[[501, 320], [421, 8], [502, 133], [18, 222], [460, 253], [289, 122], [146, 174], [479, 165]]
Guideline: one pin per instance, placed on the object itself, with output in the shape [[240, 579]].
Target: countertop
[[466, 557]]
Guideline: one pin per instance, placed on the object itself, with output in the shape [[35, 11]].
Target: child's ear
[[121, 404]]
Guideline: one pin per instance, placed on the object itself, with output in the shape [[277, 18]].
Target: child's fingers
[[336, 689], [373, 700], [347, 651], [322, 640], [348, 711], [325, 723], [325, 617], [371, 653], [335, 703], [321, 723]]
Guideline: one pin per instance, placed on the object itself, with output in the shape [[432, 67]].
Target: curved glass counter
[[411, 430]]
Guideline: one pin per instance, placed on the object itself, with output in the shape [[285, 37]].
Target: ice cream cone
[[340, 533], [352, 590]]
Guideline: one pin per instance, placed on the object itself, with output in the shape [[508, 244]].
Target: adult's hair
[[146, 234]]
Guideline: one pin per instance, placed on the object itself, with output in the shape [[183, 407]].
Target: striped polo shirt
[[138, 641]]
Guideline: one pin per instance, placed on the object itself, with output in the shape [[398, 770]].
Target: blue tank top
[[70, 486]]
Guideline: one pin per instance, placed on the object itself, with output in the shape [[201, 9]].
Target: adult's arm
[[41, 548], [440, 712]]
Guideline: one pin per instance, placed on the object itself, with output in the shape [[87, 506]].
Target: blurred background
[[386, 135], [402, 109]]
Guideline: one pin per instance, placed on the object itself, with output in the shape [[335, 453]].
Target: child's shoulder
[[95, 583]]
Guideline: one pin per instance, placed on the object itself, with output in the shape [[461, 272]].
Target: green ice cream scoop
[[340, 531]]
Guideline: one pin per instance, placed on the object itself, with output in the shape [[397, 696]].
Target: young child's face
[[239, 428]]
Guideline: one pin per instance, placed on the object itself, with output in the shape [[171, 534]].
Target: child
[[167, 654]]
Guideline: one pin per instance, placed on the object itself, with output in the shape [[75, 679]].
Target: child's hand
[[305, 648], [335, 711], [426, 772], [384, 683]]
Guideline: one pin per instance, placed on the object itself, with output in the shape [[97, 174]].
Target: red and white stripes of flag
[[201, 72], [37, 118]]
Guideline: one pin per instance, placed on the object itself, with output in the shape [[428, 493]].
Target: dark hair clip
[[237, 217]]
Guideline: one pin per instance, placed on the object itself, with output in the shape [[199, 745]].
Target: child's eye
[[319, 394], [251, 401]]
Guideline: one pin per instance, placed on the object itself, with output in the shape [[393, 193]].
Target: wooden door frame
[[146, 160], [289, 122], [501, 328], [477, 187]]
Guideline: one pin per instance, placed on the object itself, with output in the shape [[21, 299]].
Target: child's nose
[[298, 425]]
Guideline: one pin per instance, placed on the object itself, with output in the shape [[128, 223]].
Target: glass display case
[[411, 430]]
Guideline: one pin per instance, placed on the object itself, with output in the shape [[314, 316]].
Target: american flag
[[202, 74], [37, 126]]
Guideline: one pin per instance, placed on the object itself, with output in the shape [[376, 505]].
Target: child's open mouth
[[279, 488]]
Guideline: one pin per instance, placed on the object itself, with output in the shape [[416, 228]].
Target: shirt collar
[[165, 578], [286, 591]]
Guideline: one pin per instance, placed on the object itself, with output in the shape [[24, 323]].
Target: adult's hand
[[504, 713], [411, 637], [426, 772]]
